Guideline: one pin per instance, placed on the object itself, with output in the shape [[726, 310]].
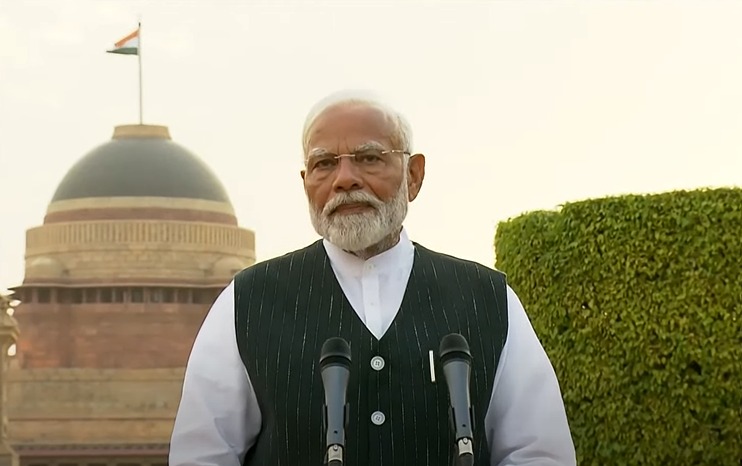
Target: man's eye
[[324, 163], [368, 157]]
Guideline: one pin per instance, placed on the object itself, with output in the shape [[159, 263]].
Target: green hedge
[[638, 301]]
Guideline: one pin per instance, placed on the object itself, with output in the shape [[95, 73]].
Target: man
[[253, 392]]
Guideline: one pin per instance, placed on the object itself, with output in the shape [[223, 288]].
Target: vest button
[[378, 418], [377, 362]]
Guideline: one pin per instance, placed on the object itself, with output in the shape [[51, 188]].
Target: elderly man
[[253, 393]]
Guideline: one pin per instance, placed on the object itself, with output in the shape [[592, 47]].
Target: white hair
[[360, 231], [401, 130]]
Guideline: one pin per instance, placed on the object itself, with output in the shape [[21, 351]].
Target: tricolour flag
[[129, 45]]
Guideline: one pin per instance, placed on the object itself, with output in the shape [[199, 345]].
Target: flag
[[129, 45]]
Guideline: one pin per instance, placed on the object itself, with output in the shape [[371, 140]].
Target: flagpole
[[139, 55]]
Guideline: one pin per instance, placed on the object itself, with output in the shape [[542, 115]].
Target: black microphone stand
[[335, 367], [456, 361]]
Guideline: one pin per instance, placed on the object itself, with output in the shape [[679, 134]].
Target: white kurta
[[218, 419]]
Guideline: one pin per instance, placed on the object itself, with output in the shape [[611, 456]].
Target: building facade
[[139, 238]]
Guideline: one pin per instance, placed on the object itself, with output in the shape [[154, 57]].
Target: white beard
[[359, 231]]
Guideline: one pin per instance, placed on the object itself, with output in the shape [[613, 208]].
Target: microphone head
[[454, 346], [335, 351]]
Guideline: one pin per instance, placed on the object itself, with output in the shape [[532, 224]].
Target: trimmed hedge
[[638, 301]]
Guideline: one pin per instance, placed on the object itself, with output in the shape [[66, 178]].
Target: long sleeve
[[526, 423], [218, 418]]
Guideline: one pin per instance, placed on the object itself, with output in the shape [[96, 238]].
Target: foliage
[[638, 301]]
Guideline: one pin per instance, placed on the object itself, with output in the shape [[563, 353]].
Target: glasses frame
[[353, 155]]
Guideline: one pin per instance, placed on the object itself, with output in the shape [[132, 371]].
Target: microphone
[[456, 361], [334, 363]]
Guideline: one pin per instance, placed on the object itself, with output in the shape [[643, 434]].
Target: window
[[199, 297], [155, 295], [183, 295], [137, 295], [91, 295], [64, 296], [43, 295], [76, 296], [106, 295], [119, 295]]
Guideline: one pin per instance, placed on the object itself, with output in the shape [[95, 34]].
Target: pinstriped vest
[[288, 306]]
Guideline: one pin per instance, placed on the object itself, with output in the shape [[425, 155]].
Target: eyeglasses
[[369, 161]]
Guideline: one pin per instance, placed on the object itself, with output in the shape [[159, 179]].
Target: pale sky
[[518, 105]]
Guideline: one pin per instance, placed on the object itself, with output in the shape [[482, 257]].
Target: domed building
[[138, 240]]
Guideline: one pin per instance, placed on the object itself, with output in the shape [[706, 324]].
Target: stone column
[[8, 337]]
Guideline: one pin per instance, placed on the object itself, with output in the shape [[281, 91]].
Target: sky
[[517, 105]]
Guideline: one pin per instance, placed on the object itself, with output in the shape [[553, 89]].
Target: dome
[[141, 161]]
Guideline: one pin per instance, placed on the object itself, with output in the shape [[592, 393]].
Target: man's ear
[[415, 175]]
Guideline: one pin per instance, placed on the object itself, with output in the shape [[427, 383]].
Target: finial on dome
[[141, 131]]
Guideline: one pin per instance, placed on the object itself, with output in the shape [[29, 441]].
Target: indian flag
[[129, 45]]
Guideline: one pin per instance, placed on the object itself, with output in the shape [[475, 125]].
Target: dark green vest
[[288, 306]]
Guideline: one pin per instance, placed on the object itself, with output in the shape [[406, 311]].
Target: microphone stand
[[464, 453], [334, 456], [334, 365], [456, 361]]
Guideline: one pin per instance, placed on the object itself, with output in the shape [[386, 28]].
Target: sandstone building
[[137, 241]]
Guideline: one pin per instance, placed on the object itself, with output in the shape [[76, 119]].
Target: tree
[[638, 301]]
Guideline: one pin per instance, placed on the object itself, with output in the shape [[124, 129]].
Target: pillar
[[8, 337]]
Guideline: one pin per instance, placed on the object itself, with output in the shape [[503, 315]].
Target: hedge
[[638, 302]]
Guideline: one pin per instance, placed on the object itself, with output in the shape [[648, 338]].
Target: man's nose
[[347, 175]]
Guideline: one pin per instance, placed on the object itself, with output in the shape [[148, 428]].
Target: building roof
[[141, 160]]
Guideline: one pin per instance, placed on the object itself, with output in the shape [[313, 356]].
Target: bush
[[638, 300]]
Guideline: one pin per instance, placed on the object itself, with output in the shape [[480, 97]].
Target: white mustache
[[355, 197]]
